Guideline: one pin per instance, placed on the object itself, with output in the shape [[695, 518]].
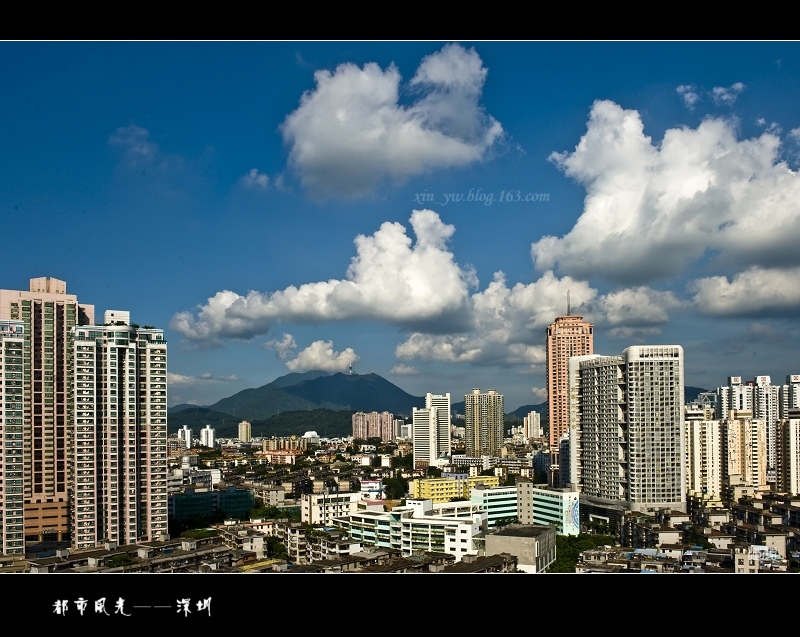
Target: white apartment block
[[119, 445], [322, 508], [500, 503], [788, 456], [207, 437], [705, 467], [431, 431], [767, 402], [745, 448], [532, 425], [419, 526], [185, 436], [12, 401], [629, 413]]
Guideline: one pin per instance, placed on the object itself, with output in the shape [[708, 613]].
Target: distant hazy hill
[[691, 393], [520, 412], [297, 377], [326, 422], [182, 406], [356, 392], [296, 392], [196, 418], [262, 402], [523, 411]]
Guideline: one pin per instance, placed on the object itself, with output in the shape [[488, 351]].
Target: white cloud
[[178, 379], [135, 141], [689, 94], [390, 280], [174, 379], [320, 355], [284, 347], [350, 133], [507, 324], [256, 179], [727, 95], [539, 392], [403, 370], [636, 306], [795, 134], [750, 293], [651, 210]]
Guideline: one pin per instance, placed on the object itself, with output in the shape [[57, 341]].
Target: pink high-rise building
[[567, 336]]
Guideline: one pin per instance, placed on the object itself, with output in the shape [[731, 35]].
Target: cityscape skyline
[[421, 210]]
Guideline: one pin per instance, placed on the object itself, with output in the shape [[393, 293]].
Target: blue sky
[[418, 209]]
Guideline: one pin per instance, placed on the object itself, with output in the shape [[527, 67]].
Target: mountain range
[[315, 400], [313, 396]]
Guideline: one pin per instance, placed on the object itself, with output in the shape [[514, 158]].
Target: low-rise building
[[419, 526], [322, 508], [533, 545], [450, 487]]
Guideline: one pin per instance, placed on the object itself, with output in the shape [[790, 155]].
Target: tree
[[275, 548], [265, 512], [506, 521], [395, 488], [434, 472], [569, 548], [403, 462]]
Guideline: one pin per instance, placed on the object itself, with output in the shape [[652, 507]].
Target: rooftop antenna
[[567, 302]]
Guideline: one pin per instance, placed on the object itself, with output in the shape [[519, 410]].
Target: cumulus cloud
[[350, 133], [403, 370], [754, 292], [391, 279], [284, 347], [651, 210], [507, 323], [320, 355], [636, 306], [256, 179], [727, 95], [689, 94]]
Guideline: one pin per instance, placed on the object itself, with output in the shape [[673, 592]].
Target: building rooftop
[[523, 530]]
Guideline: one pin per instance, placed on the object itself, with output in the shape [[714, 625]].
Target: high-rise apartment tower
[[483, 426], [629, 411], [567, 336], [119, 446], [45, 369], [431, 430]]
